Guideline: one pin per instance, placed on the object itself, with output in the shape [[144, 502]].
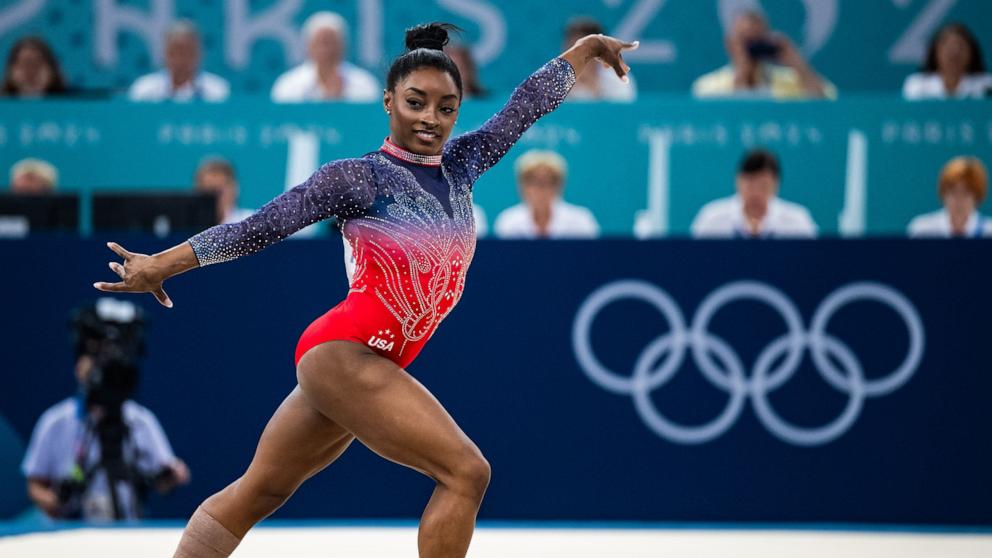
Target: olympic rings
[[721, 366]]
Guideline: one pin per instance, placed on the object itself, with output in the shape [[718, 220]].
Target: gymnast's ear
[[387, 101]]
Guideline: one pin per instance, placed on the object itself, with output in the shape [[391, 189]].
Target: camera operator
[[94, 456], [763, 64]]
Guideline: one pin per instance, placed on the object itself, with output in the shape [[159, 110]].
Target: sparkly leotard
[[408, 219]]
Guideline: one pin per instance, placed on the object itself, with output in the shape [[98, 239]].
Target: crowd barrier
[[862, 166], [807, 381]]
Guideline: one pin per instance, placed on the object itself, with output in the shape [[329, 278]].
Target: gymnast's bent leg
[[395, 416], [297, 443]]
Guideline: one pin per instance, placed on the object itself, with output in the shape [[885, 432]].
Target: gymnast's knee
[[260, 500], [469, 476]]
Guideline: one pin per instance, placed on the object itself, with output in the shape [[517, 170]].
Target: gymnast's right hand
[[140, 273]]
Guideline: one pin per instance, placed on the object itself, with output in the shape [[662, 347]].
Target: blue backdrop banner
[[829, 381]]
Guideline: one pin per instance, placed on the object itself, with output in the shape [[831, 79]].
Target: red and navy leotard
[[408, 219]]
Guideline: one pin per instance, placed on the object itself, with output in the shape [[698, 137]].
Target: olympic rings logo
[[722, 367]]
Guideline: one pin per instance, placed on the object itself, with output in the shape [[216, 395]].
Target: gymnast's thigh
[[297, 443], [385, 408]]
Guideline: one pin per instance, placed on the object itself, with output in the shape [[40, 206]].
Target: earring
[[389, 112]]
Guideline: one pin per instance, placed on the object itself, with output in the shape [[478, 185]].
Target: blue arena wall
[[861, 165], [858, 45], [558, 364]]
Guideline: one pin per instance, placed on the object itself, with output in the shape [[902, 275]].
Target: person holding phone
[[763, 63]]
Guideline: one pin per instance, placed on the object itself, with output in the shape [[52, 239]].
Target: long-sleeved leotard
[[408, 219]]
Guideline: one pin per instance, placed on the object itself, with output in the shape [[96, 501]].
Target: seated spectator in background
[[543, 213], [93, 456], [755, 211], [962, 187], [32, 70], [596, 83], [326, 75], [216, 176], [181, 79], [763, 63], [461, 55], [954, 68], [33, 177]]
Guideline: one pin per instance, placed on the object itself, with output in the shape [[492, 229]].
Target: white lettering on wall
[[631, 28], [492, 38], [19, 13], [911, 47], [275, 22], [112, 19], [370, 33]]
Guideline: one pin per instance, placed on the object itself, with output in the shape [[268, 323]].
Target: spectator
[[216, 176], [461, 55], [93, 456], [326, 75], [596, 83], [954, 68], [33, 177], [543, 213], [962, 187], [32, 70], [762, 64], [181, 80], [755, 211]]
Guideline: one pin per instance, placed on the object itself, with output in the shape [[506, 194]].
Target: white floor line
[[373, 542]]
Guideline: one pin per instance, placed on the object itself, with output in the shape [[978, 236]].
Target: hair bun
[[432, 36]]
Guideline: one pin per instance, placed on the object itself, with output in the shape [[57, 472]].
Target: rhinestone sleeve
[[341, 189], [538, 95]]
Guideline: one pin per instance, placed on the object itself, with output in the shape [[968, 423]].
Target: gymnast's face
[[423, 108]]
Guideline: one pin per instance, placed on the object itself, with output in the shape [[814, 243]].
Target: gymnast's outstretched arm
[[537, 96], [340, 189]]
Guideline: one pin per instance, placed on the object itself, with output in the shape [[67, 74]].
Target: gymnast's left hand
[[140, 273]]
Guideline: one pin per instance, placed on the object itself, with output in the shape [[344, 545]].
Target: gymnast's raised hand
[[141, 273]]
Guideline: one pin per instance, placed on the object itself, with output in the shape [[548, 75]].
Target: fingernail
[[625, 79], [637, 44], [95, 285], [168, 304]]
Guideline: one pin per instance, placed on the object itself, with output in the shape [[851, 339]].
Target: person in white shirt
[[543, 213], [596, 83], [326, 75], [70, 473], [216, 176], [181, 79], [755, 211], [954, 68], [962, 187]]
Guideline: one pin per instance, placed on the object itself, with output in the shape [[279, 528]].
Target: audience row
[[762, 63], [755, 210]]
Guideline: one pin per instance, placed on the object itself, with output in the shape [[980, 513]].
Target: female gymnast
[[406, 210]]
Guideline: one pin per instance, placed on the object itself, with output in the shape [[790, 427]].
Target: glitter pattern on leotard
[[410, 226]]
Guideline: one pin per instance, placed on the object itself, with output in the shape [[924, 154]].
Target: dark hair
[[977, 64], [581, 26], [759, 160], [58, 82], [424, 48]]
